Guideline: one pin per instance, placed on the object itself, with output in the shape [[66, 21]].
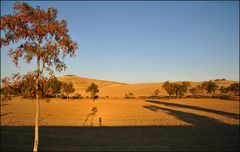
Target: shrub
[[154, 97], [96, 97], [225, 97], [77, 96], [129, 95], [64, 97], [223, 79]]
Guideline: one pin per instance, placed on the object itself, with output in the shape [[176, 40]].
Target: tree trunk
[[42, 66], [36, 139]]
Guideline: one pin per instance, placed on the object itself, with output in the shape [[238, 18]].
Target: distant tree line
[[207, 88], [24, 85], [233, 88], [49, 87]]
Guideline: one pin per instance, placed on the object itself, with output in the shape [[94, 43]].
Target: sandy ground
[[121, 112], [127, 125]]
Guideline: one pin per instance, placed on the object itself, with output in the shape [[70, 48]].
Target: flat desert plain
[[121, 112], [126, 124]]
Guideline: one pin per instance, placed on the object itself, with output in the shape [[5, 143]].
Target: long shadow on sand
[[5, 114], [191, 118], [228, 114], [206, 134], [5, 104]]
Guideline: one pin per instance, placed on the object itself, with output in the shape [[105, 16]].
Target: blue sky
[[142, 41]]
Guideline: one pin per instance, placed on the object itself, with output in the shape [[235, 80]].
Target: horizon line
[[141, 82]]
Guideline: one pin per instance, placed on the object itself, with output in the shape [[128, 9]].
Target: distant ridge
[[82, 82], [91, 79], [118, 89], [70, 75]]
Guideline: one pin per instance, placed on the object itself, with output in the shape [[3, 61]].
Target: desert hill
[[83, 83], [116, 89]]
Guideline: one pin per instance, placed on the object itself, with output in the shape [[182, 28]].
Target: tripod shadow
[[90, 116]]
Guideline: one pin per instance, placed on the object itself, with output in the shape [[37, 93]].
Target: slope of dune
[[115, 89], [80, 83], [83, 83]]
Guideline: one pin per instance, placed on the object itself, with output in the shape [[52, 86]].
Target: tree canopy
[[210, 86], [175, 88], [67, 88], [41, 35], [93, 89]]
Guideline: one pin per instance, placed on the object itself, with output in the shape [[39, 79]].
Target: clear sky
[[142, 41]]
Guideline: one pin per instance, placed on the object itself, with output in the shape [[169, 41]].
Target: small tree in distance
[[156, 92], [93, 89], [178, 89], [67, 88], [53, 86], [235, 87], [129, 95], [184, 88], [224, 89], [169, 88], [210, 86], [6, 89]]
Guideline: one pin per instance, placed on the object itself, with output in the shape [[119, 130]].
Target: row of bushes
[[219, 96], [77, 96]]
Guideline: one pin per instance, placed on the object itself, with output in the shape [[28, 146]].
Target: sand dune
[[117, 90]]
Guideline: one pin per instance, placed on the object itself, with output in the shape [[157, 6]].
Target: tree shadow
[[5, 104], [90, 116], [5, 114], [49, 115], [227, 114], [194, 119]]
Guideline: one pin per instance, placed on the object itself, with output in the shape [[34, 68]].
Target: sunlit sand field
[[126, 124], [121, 112]]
